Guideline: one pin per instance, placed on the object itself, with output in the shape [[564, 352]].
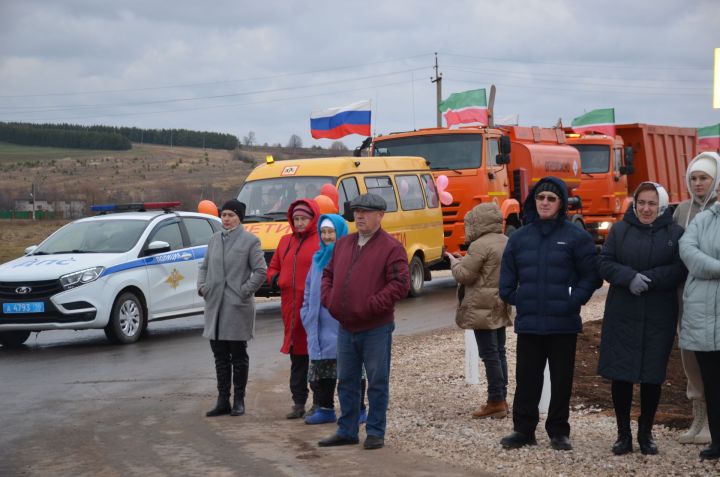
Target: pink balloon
[[446, 198], [441, 182]]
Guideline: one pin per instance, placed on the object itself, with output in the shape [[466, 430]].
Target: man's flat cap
[[368, 202]]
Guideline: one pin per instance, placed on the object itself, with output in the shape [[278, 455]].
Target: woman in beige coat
[[479, 306]]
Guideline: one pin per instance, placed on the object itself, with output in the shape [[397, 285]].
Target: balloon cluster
[[327, 201], [441, 183]]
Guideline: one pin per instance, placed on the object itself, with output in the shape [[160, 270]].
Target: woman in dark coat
[[641, 261]]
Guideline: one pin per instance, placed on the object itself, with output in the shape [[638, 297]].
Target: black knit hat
[[547, 186], [236, 206]]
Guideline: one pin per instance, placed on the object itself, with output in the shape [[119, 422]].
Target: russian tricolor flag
[[337, 122]]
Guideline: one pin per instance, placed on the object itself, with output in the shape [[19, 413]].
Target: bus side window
[[347, 191], [382, 186], [431, 194], [410, 192]]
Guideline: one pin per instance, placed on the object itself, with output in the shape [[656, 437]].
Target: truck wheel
[[13, 339], [127, 320], [417, 277]]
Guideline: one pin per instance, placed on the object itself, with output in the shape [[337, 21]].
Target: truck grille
[[38, 289]]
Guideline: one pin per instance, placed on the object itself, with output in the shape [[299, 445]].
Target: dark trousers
[[491, 348], [622, 393], [324, 393], [231, 365], [709, 362], [299, 365], [532, 353]]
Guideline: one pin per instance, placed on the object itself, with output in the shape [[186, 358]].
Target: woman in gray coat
[[233, 269], [700, 326]]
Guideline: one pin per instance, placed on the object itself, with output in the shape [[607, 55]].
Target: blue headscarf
[[322, 256]]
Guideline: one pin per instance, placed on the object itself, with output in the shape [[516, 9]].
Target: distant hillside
[[145, 173]]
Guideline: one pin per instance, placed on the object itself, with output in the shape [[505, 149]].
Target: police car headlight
[[72, 280]]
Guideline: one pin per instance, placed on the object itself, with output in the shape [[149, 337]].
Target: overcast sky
[[264, 66]]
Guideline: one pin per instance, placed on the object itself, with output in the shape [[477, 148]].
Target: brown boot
[[494, 409]]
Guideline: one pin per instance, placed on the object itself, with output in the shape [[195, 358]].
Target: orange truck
[[487, 164], [612, 167]]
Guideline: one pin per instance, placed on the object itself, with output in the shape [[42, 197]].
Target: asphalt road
[[72, 404]]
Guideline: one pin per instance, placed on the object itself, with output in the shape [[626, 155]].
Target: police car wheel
[[417, 277], [127, 321], [10, 339]]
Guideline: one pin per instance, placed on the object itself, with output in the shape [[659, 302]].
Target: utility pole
[[32, 199], [438, 83], [171, 131]]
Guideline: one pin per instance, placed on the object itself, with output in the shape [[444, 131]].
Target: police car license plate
[[24, 307]]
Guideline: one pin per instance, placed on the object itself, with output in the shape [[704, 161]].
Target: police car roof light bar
[[136, 207]]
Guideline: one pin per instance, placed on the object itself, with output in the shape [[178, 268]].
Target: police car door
[[172, 275]]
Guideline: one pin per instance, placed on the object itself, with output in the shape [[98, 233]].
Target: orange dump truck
[[482, 164], [612, 167]]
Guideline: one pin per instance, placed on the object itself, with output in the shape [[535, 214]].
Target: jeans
[[532, 353], [491, 348], [371, 348]]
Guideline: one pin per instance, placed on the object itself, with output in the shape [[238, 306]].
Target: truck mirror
[[502, 159], [347, 213], [505, 145], [629, 168]]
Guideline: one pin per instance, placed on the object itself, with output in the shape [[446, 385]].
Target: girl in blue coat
[[321, 327]]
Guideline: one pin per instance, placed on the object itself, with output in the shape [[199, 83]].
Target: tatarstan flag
[[709, 138], [598, 120], [465, 109]]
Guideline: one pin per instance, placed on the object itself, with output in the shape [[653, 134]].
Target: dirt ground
[[590, 390]]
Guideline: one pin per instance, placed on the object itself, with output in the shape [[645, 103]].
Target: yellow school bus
[[413, 214]]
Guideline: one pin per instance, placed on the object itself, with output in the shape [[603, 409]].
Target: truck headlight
[[604, 225], [75, 279]]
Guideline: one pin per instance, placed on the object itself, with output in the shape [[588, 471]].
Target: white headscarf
[[663, 197]]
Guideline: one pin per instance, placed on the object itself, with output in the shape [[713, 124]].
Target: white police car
[[114, 271]]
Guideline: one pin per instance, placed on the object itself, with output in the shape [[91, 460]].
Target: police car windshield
[[269, 199], [94, 236]]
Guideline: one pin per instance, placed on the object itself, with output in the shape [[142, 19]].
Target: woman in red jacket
[[288, 270]]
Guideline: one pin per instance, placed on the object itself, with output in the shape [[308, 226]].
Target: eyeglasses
[[548, 197]]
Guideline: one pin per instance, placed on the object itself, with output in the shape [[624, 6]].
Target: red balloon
[[329, 190], [208, 207], [326, 204]]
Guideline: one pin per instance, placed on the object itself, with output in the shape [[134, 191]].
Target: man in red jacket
[[288, 269], [367, 275]]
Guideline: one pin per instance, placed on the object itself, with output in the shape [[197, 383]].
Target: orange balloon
[[329, 190], [208, 207], [326, 204]]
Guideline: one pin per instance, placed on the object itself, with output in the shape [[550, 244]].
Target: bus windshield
[[269, 199], [594, 158], [442, 151]]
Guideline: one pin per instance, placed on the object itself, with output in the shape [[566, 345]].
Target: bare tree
[[338, 146], [294, 142], [249, 140]]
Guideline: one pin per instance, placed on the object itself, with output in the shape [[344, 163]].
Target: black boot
[[711, 452], [623, 444], [645, 438], [223, 374], [240, 367]]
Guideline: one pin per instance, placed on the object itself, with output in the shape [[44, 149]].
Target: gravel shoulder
[[430, 415]]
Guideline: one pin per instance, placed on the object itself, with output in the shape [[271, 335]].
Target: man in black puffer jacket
[[549, 270]]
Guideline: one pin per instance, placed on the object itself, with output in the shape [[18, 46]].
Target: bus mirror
[[347, 213]]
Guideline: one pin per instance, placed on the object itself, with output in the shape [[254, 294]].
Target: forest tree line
[[109, 137]]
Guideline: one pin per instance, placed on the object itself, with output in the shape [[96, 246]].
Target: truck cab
[[604, 186]]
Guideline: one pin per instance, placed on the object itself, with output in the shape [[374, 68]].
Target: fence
[[39, 215]]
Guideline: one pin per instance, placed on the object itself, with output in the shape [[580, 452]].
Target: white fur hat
[[704, 163]]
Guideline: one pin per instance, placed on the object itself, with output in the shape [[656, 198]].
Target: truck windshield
[[594, 158], [96, 236], [443, 151], [269, 199]]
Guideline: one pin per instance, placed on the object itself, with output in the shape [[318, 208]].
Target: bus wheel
[[417, 277]]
